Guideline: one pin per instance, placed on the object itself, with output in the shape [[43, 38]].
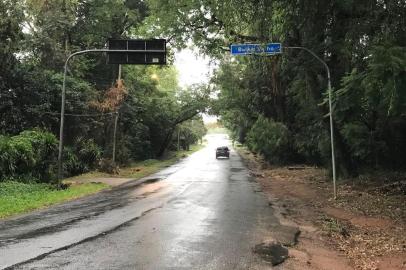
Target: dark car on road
[[222, 151]]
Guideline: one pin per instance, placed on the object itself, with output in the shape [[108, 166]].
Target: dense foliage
[[82, 156], [29, 155], [271, 139], [363, 43], [36, 38]]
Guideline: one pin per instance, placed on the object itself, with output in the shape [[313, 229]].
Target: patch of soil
[[393, 262], [363, 229], [371, 222], [323, 258], [359, 220]]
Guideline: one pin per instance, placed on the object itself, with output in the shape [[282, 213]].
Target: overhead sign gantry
[[137, 51]]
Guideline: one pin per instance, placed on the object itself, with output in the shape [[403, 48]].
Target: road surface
[[201, 213]]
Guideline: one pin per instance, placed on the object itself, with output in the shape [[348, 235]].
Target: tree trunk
[[166, 141]]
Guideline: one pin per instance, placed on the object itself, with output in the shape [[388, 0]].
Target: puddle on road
[[152, 180], [178, 204], [272, 251]]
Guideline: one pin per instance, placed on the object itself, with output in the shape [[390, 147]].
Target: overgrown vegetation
[[29, 155], [271, 139], [36, 38], [83, 156], [363, 43]]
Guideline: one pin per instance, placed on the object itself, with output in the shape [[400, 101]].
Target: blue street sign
[[244, 49]]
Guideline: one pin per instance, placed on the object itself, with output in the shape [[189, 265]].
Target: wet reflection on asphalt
[[202, 213]]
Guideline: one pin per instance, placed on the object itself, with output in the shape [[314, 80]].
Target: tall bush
[[271, 139], [81, 157], [31, 154]]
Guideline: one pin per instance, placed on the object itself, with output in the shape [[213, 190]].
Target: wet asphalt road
[[201, 213]]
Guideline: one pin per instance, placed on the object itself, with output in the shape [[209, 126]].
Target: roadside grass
[[332, 225], [217, 130], [17, 198], [141, 169]]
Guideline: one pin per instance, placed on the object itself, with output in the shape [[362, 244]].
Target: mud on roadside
[[362, 229]]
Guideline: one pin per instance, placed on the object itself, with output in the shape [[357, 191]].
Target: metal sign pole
[[60, 147], [330, 94], [114, 137], [116, 121]]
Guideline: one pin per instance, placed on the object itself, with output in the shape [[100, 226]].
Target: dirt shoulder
[[365, 228]]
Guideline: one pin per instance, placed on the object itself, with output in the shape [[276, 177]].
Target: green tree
[[361, 42]]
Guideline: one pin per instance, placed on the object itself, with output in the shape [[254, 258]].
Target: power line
[[80, 115]]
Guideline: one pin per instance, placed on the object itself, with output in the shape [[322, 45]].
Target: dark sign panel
[[137, 52], [117, 58]]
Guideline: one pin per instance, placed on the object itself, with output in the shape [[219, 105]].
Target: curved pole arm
[[314, 55]]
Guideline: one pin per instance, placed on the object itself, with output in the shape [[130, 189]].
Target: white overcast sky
[[194, 68]]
